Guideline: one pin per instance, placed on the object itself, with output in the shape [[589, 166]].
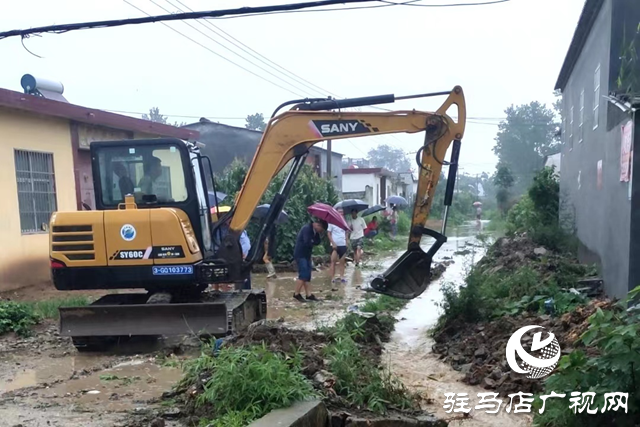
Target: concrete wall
[[25, 260], [601, 216], [368, 183]]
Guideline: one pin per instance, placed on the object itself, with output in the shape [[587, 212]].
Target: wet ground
[[409, 354], [44, 381]]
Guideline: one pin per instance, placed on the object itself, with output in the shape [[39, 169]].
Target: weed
[[383, 303], [17, 317], [361, 381], [48, 309], [614, 334], [109, 377], [243, 384]]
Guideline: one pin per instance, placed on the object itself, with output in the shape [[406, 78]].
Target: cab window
[[150, 173]]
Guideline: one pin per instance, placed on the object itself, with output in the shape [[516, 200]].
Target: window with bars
[[596, 96], [580, 126], [36, 189]]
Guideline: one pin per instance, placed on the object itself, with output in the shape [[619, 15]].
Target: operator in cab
[[147, 184]]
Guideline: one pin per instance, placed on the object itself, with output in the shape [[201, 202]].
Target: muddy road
[[44, 381], [409, 354]]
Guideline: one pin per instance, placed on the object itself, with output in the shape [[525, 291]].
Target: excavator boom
[[289, 136]]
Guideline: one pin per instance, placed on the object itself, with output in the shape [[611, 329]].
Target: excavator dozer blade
[[407, 278], [128, 315]]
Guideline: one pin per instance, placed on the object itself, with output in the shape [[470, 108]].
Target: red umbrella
[[329, 214]]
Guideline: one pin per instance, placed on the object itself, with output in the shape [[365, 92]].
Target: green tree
[[503, 180], [388, 157], [525, 137], [307, 189], [155, 116], [255, 122]]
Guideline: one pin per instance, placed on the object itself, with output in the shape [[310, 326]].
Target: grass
[[20, 317], [244, 384], [48, 309]]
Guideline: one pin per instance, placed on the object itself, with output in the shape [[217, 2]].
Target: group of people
[[310, 236]]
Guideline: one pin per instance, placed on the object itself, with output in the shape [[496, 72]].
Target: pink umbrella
[[329, 214]]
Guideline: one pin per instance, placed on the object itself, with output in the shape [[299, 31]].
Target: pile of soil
[[508, 254], [479, 350]]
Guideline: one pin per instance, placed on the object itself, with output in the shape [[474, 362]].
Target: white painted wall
[[357, 182]]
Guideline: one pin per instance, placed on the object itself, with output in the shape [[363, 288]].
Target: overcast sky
[[501, 54]]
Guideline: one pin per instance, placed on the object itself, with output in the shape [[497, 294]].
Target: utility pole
[[329, 174], [478, 185]]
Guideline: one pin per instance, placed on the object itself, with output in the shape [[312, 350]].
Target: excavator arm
[[290, 135]]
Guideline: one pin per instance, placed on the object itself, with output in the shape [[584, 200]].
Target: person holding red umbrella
[[308, 237]]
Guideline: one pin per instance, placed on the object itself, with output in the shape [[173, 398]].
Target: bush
[[17, 317], [537, 213], [607, 364], [245, 384]]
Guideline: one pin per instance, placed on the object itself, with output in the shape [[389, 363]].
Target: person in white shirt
[[358, 225], [339, 242]]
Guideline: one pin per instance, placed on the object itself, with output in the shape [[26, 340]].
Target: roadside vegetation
[[530, 277], [272, 367], [21, 317]]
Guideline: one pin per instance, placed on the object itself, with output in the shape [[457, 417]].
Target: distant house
[[598, 142], [224, 143], [373, 185], [554, 160], [45, 166], [407, 185]]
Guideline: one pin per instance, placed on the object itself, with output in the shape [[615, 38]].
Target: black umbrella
[[262, 210], [372, 210], [216, 198], [397, 200], [350, 204]]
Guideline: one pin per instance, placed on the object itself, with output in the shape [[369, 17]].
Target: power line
[[217, 54], [231, 50], [63, 28], [387, 4], [249, 50]]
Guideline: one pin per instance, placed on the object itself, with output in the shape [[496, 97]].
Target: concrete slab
[[302, 414]]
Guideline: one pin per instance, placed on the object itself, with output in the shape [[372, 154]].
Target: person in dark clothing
[[308, 237], [124, 182]]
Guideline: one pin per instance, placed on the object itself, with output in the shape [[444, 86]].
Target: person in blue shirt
[[308, 237]]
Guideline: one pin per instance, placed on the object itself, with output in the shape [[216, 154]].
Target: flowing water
[[409, 354]]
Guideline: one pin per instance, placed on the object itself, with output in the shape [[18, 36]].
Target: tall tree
[[525, 137], [255, 122], [503, 180], [385, 156], [155, 116]]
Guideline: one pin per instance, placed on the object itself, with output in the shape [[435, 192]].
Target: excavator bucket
[[410, 275]]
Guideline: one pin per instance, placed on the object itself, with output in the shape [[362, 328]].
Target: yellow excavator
[[153, 228]]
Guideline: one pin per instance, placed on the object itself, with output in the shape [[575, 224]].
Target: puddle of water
[[31, 372], [120, 388]]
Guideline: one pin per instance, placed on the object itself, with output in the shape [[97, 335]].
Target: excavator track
[[128, 315]]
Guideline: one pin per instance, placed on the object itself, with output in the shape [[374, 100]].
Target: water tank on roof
[[45, 88]]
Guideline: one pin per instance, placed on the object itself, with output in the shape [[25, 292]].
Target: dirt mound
[[284, 340], [478, 351], [509, 254]]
